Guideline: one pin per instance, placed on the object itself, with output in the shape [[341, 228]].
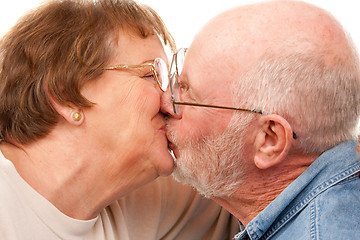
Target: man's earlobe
[[273, 141]]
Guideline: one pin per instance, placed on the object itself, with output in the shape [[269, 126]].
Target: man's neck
[[261, 188]]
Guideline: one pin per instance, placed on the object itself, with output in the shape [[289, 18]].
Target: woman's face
[[125, 125]]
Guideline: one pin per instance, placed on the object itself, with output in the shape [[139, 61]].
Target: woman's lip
[[163, 128]]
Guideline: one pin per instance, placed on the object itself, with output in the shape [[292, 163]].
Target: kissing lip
[[174, 150], [163, 128], [172, 147], [170, 143]]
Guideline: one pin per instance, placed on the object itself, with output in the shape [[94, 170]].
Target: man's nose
[[167, 106]]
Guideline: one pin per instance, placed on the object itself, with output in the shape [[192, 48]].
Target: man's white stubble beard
[[213, 165]]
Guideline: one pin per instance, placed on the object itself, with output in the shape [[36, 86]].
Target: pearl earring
[[76, 116]]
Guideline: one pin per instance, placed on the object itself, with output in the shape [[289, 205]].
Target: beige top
[[163, 209]]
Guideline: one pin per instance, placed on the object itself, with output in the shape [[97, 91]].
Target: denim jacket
[[322, 203]]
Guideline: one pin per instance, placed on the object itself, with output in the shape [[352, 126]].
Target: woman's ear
[[74, 116], [273, 141]]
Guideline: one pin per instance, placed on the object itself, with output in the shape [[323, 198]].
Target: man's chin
[[179, 175], [183, 174]]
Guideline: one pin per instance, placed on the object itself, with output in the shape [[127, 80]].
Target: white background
[[185, 17]]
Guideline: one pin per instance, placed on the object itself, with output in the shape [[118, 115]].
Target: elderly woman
[[80, 129]]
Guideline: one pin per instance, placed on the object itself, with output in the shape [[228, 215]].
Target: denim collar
[[328, 169]]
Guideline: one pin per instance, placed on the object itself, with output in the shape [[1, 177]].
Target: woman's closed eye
[[149, 76]]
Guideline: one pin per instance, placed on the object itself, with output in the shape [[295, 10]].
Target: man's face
[[205, 141], [213, 164]]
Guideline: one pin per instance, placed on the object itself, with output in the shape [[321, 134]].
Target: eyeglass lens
[[161, 71], [176, 70]]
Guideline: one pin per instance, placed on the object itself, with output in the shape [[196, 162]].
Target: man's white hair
[[316, 90]]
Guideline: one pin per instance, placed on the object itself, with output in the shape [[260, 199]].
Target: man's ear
[[73, 116], [273, 141]]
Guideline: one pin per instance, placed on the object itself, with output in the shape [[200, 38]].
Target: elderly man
[[263, 119]]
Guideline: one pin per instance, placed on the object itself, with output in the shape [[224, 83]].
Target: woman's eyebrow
[[147, 61]]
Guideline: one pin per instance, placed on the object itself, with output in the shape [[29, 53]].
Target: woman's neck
[[61, 176]]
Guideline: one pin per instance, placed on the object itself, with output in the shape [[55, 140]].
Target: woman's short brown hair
[[57, 48]]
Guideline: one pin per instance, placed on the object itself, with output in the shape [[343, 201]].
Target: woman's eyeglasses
[[158, 68]]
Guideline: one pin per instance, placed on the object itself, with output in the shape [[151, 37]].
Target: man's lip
[[173, 148], [170, 144]]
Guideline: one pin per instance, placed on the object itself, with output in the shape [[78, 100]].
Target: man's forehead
[[206, 85]]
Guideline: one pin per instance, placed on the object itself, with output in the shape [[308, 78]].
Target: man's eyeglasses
[[158, 68], [175, 71]]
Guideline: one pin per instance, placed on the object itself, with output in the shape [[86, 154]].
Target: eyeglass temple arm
[[215, 106], [124, 66], [222, 107]]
